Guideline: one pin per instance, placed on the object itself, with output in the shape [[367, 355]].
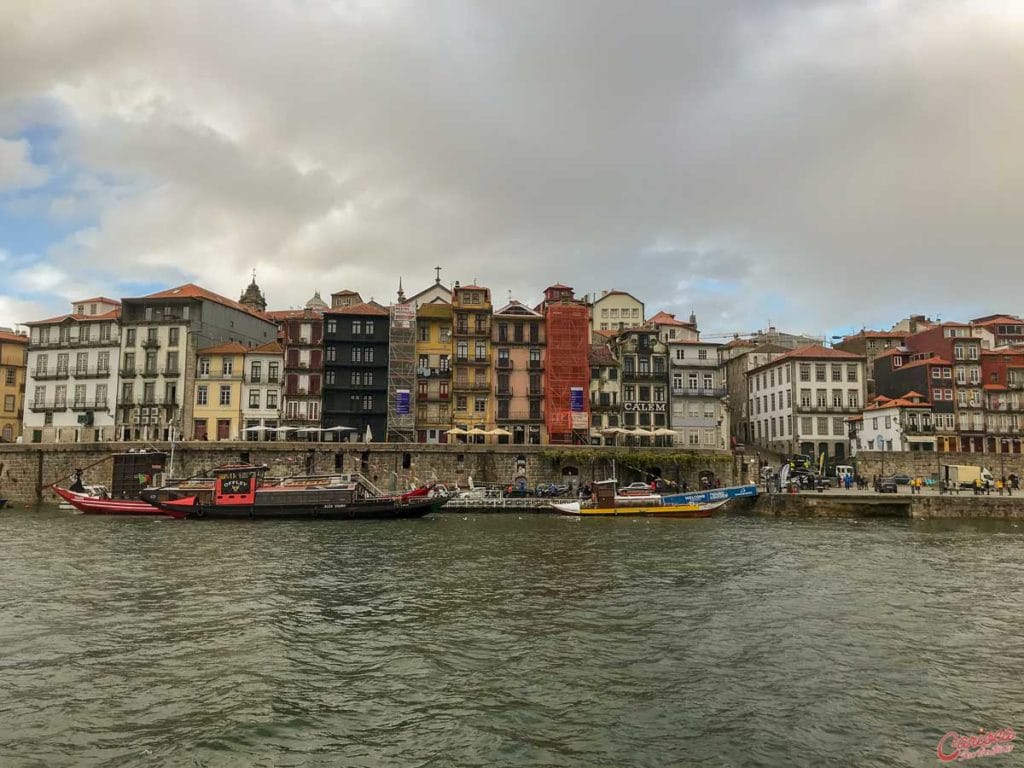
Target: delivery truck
[[965, 475]]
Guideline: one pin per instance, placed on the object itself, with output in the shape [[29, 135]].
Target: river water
[[504, 640]]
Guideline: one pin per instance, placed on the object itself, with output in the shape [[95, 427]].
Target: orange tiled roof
[[270, 348], [113, 314], [665, 318], [366, 308], [17, 338], [290, 314], [812, 352], [933, 360], [193, 291], [225, 348], [98, 299]]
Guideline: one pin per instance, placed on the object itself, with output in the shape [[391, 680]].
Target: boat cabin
[[235, 486]]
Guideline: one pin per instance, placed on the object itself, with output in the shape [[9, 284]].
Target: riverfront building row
[[450, 364]]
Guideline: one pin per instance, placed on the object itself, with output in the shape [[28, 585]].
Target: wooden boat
[[88, 504], [239, 493], [606, 503]]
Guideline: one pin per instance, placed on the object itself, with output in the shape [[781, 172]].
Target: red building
[[567, 379], [999, 330], [1003, 374], [955, 342]]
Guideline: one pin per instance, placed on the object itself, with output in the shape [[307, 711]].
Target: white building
[[800, 401], [71, 380], [901, 424], [261, 390], [698, 411]]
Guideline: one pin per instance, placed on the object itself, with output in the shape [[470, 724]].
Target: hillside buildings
[[616, 310]]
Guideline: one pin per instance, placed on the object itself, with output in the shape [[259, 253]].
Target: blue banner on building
[[402, 401], [576, 399]]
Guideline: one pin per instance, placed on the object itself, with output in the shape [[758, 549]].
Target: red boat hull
[[90, 506]]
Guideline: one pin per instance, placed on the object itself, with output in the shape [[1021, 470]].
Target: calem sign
[[956, 747]]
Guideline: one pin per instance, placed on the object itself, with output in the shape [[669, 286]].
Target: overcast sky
[[819, 165]]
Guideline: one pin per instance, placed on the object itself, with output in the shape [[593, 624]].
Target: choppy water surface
[[504, 641]]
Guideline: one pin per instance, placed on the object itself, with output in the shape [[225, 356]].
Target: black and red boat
[[239, 492]]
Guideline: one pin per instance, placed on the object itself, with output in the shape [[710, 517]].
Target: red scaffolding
[[567, 367]]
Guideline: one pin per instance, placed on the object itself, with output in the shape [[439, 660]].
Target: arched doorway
[[571, 477]]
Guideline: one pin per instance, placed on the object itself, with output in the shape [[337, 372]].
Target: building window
[[367, 402], [480, 405], [272, 399], [332, 325], [805, 372], [256, 371], [225, 394], [9, 403], [460, 402], [357, 327], [702, 354], [367, 377], [819, 372], [357, 354], [272, 371], [204, 366], [369, 327], [202, 394], [254, 398]]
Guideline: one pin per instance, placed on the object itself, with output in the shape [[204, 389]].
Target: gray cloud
[[824, 164]]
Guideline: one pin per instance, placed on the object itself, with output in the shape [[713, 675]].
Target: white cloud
[[854, 157], [17, 171]]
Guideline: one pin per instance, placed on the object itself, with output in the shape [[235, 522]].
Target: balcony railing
[[90, 405], [699, 391], [48, 405], [234, 375], [91, 373], [127, 373], [816, 408], [434, 373], [439, 397], [505, 363], [151, 344], [472, 386], [535, 392], [503, 391], [49, 375], [520, 415]]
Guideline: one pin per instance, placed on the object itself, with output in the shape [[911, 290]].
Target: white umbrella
[[477, 431], [256, 429], [456, 431], [500, 432], [665, 432], [368, 437], [641, 433], [340, 429], [308, 430], [613, 431]]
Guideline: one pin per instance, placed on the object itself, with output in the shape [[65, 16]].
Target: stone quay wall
[[926, 463], [27, 471], [924, 507]]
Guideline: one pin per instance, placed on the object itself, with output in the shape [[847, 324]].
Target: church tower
[[252, 297]]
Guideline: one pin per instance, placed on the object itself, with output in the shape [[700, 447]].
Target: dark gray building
[[355, 392]]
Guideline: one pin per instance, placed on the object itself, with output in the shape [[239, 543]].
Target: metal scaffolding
[[402, 375], [567, 368]]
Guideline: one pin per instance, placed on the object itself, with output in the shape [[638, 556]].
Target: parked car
[[636, 489], [901, 479], [887, 485]]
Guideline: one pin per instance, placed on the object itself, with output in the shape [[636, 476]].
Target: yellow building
[[471, 372], [13, 353], [616, 310], [433, 372], [217, 414]]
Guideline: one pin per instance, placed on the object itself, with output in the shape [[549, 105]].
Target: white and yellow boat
[[606, 503]]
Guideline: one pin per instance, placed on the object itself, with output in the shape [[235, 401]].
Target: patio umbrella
[[664, 432], [500, 432], [256, 429], [477, 431], [368, 437], [308, 430], [340, 429], [456, 431], [642, 433], [614, 431]]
